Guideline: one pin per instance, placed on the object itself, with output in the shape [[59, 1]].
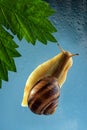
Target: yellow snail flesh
[[57, 67]]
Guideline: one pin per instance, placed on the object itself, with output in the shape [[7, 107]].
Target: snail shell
[[43, 97]]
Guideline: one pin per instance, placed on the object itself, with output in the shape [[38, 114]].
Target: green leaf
[[28, 19], [0, 83], [3, 71], [7, 53]]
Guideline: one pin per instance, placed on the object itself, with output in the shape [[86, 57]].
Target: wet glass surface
[[70, 20]]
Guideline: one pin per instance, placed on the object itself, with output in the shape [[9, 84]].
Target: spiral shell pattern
[[43, 97]]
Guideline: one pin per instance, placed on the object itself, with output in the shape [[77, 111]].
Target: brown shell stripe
[[39, 87], [46, 100], [50, 107], [45, 93], [36, 90]]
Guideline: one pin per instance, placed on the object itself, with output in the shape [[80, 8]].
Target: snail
[[42, 88]]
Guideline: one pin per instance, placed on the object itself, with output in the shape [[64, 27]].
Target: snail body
[[56, 68]]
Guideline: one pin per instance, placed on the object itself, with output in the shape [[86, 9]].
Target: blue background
[[71, 21]]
